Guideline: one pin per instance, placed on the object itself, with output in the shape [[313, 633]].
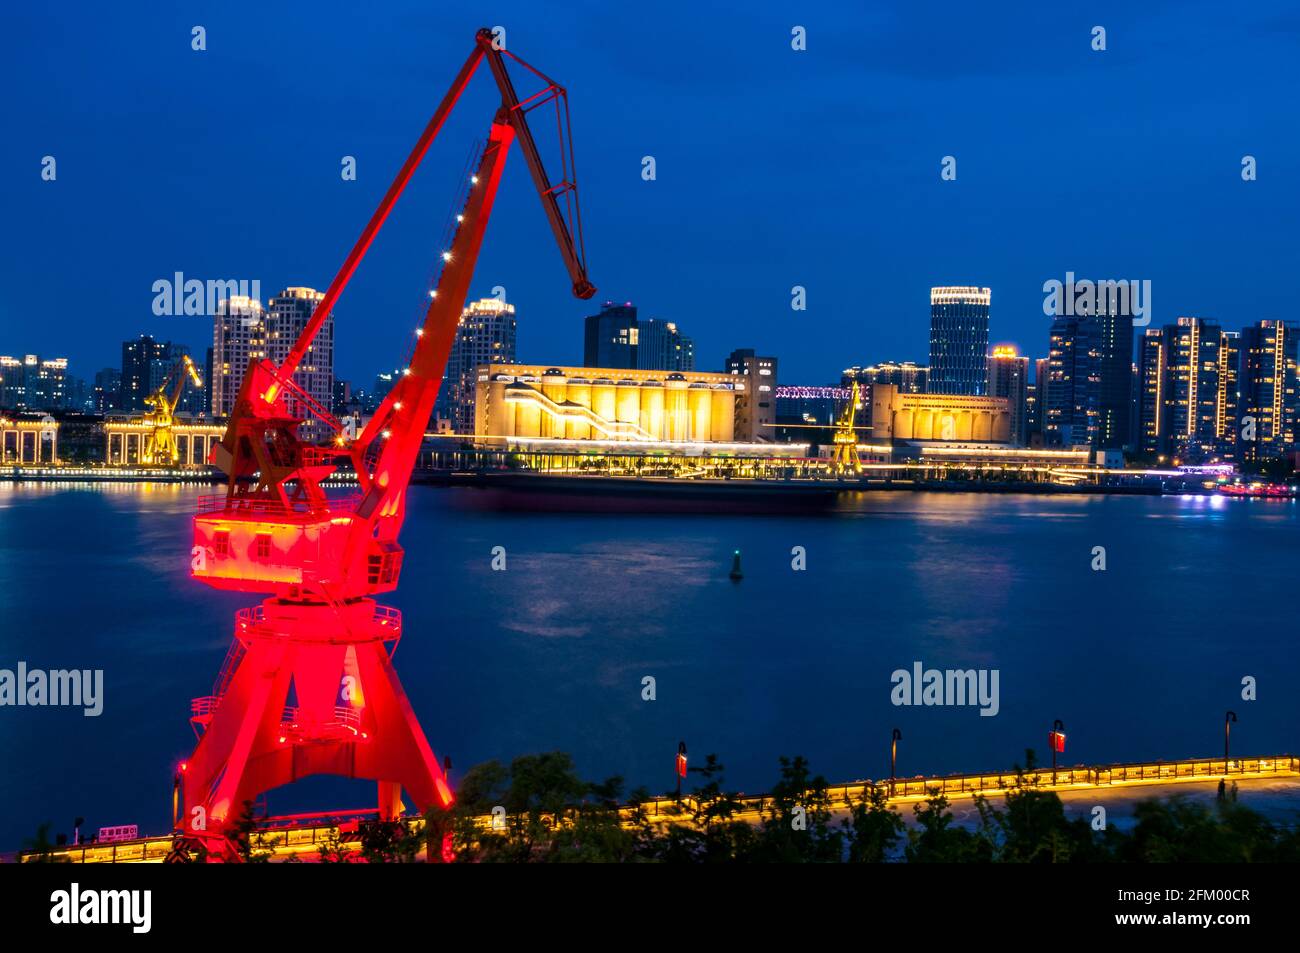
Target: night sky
[[775, 168]]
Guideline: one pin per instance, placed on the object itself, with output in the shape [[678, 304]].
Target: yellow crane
[[846, 437], [160, 444]]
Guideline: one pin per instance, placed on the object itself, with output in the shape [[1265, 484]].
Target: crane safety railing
[[249, 623], [237, 506], [344, 717]]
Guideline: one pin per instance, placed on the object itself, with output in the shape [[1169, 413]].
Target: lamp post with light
[[1056, 741], [681, 766], [176, 795], [894, 739]]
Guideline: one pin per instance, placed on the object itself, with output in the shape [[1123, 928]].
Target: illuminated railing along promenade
[[297, 835]]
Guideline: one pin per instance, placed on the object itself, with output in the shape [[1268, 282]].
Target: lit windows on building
[[485, 335], [959, 340]]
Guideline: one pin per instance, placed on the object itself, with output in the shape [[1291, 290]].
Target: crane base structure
[[308, 686], [308, 689]]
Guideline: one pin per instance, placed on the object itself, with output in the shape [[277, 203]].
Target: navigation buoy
[[736, 574]]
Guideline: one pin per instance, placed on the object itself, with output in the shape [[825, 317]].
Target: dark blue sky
[[775, 168]]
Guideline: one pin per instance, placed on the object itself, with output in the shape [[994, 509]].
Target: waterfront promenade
[[1103, 784]]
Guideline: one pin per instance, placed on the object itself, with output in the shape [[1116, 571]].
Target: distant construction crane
[[309, 686], [846, 436], [160, 443]]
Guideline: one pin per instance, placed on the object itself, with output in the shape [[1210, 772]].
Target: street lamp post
[[1228, 719], [894, 739], [681, 766], [1056, 741], [176, 795]]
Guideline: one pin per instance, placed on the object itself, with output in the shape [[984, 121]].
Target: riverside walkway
[[305, 834]]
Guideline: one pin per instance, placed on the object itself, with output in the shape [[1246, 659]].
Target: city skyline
[[672, 264], [943, 321]]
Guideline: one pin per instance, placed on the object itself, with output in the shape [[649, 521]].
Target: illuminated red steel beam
[[311, 688], [344, 275]]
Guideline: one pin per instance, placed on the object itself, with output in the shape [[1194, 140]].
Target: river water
[[1140, 661]]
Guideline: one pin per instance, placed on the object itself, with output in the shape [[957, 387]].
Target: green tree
[[708, 831], [934, 839], [40, 849], [551, 815], [796, 825], [248, 842], [873, 828], [388, 842], [1178, 830]]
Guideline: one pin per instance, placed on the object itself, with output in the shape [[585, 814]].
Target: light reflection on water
[[1140, 661]]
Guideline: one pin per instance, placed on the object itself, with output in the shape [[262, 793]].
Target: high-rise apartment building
[[32, 382], [238, 336], [1269, 407], [1187, 391], [148, 365], [287, 315], [908, 377], [142, 362], [108, 391], [662, 347], [243, 330], [485, 335], [959, 340]]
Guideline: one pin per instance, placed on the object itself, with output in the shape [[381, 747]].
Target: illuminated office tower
[[1008, 376], [610, 338], [1268, 390], [1068, 404], [1113, 339], [959, 340]]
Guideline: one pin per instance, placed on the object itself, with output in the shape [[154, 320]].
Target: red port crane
[[308, 686]]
